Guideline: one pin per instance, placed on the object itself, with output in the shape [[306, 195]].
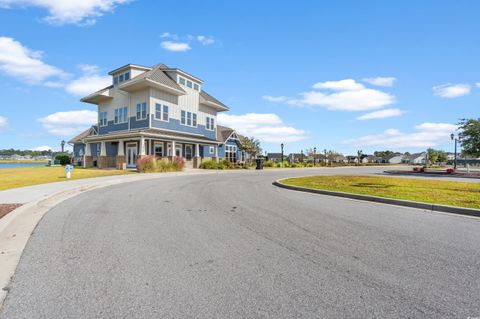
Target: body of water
[[17, 165]]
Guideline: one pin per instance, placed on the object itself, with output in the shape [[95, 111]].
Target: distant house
[[392, 159], [415, 159], [370, 159], [351, 158], [274, 157], [337, 159], [297, 157]]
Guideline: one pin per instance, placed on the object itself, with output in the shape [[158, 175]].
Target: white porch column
[[103, 149], [215, 151], [88, 149], [142, 146], [197, 150], [174, 153], [121, 149]]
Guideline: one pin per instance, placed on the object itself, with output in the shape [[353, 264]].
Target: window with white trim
[[141, 111], [165, 112], [158, 111], [158, 149], [211, 149], [102, 119], [121, 115], [189, 84], [188, 118], [231, 153], [210, 125], [121, 78], [196, 87], [181, 81]]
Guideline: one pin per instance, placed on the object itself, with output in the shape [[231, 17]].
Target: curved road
[[231, 245]]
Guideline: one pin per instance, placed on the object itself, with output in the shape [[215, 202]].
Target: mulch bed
[[7, 208]]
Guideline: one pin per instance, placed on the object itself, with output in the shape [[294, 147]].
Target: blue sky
[[342, 75]]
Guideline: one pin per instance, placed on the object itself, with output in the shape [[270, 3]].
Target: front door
[[131, 155], [188, 152]]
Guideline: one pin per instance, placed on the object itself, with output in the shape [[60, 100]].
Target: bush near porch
[[223, 164], [150, 164]]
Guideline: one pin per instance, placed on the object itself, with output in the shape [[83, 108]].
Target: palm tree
[[359, 155], [251, 147]]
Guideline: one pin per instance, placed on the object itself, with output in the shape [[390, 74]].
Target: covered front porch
[[122, 153]]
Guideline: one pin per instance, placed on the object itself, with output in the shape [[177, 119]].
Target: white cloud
[[275, 99], [267, 128], [81, 12], [343, 95], [42, 148], [381, 81], [380, 114], [88, 84], [451, 90], [3, 122], [425, 135], [342, 85], [175, 46], [24, 64], [68, 123], [205, 40], [477, 84]]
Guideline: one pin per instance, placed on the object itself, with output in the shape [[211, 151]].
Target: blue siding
[[111, 127], [174, 125], [93, 148], [112, 149], [134, 124], [77, 148]]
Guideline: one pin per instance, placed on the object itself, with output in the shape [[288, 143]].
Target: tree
[[385, 153], [251, 147], [359, 155], [470, 136], [437, 156]]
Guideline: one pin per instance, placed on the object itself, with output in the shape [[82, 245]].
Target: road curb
[[391, 201]]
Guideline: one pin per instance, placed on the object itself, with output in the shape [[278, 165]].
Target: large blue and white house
[[157, 111]]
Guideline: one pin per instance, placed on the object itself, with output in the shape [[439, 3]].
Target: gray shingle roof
[[204, 96], [81, 136], [158, 75], [223, 133]]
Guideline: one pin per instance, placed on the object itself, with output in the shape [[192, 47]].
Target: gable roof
[[223, 133], [206, 98], [79, 138], [158, 75]]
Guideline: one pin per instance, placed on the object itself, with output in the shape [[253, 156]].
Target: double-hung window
[[189, 118], [121, 115], [196, 87], [158, 111], [141, 111], [165, 112], [159, 149], [194, 119], [182, 81], [210, 123], [103, 119], [189, 84], [183, 118]]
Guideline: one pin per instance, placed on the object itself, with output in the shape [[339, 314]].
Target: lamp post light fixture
[[281, 145], [314, 155], [452, 136], [325, 154]]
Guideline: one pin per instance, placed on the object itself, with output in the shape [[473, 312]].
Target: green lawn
[[462, 194], [26, 176]]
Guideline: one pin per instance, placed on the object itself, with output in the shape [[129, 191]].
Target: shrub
[[209, 164], [146, 164], [164, 165], [450, 170], [268, 164], [63, 159], [178, 163]]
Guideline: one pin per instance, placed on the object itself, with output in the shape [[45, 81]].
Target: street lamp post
[[281, 145], [325, 154], [314, 154], [452, 136]]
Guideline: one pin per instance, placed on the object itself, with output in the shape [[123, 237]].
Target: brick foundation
[[102, 162], [197, 160], [120, 162], [88, 161]]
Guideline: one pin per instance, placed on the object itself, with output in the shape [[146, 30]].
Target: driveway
[[231, 245]]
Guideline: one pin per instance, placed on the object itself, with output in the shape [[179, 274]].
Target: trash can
[[259, 163]]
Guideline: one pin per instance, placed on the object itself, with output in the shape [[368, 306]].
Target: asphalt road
[[231, 245]]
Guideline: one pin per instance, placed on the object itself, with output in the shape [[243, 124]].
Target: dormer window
[[121, 78], [188, 83]]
